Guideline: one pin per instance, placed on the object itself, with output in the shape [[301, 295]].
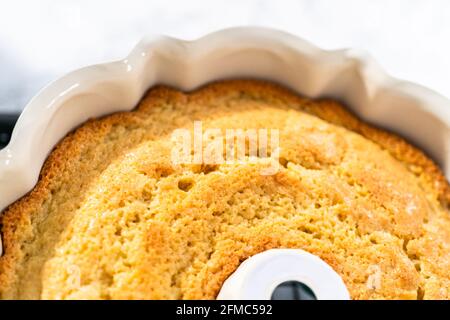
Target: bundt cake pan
[[352, 77]]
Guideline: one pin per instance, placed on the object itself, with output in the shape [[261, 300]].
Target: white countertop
[[42, 40]]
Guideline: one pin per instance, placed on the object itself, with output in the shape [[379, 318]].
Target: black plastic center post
[[293, 290]]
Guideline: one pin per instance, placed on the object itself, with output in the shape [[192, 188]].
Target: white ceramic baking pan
[[416, 113], [257, 277]]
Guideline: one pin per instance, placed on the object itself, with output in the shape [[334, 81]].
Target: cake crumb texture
[[112, 217]]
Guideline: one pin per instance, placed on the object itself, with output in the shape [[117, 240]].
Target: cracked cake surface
[[112, 217]]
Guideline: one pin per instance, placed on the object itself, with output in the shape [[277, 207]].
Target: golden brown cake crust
[[108, 218]]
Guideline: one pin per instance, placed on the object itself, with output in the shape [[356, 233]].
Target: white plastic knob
[[258, 276]]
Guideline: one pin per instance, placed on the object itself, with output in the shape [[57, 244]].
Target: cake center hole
[[293, 290]]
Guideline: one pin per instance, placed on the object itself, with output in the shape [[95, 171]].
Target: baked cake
[[112, 216]]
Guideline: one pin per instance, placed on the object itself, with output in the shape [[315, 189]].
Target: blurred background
[[42, 40]]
